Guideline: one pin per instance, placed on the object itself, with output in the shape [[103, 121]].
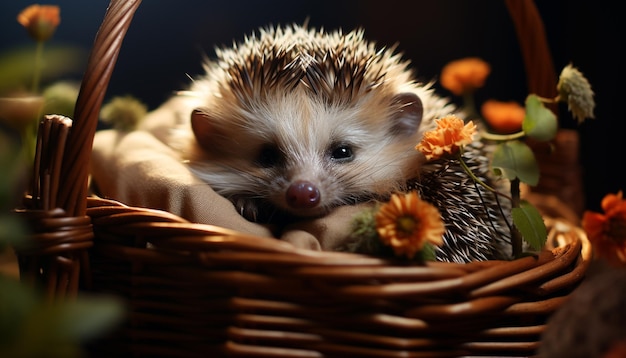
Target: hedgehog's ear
[[409, 116], [203, 128]]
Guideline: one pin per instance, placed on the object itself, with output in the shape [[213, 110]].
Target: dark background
[[167, 39]]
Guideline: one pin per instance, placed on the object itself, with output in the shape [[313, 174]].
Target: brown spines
[[335, 67]]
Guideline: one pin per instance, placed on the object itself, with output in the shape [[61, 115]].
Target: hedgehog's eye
[[341, 152], [269, 156]]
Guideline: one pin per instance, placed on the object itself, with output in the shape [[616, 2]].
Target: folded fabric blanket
[[137, 168]]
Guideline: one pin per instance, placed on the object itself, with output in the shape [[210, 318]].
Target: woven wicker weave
[[202, 291]]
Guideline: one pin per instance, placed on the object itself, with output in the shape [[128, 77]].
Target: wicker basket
[[199, 290]]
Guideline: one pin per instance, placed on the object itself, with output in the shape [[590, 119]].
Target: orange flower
[[450, 135], [407, 223], [40, 20], [503, 117], [464, 75], [607, 232]]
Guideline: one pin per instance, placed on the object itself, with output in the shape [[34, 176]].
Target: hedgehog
[[293, 122]]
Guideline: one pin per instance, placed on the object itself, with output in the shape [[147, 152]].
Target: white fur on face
[[299, 101], [305, 131]]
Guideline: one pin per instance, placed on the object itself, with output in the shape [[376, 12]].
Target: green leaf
[[34, 327], [17, 64], [16, 302], [530, 224], [12, 232], [39, 335], [515, 159], [90, 316], [539, 123], [428, 253]]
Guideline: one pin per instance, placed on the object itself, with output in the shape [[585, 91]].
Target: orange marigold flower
[[607, 232], [464, 75], [407, 223], [451, 133], [40, 20], [503, 117]]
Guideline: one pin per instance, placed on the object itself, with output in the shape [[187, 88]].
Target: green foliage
[[32, 327], [60, 98], [123, 112], [515, 159], [12, 232], [540, 123], [427, 253], [530, 224], [16, 66], [363, 237]]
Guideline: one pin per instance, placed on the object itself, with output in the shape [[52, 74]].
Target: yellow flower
[[40, 20], [574, 89], [465, 75], [407, 223], [451, 133], [503, 117]]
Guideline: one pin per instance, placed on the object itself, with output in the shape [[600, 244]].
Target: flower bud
[[574, 89], [503, 116], [40, 20], [465, 75]]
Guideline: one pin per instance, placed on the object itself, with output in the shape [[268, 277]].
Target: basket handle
[[56, 254], [533, 42], [74, 174]]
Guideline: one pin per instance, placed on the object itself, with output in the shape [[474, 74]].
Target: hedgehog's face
[[305, 157]]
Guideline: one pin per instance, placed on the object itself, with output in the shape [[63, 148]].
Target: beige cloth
[[138, 169]]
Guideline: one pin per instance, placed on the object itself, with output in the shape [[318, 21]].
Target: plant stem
[[475, 178], [37, 72], [516, 236], [502, 137], [470, 106], [29, 142], [549, 100]]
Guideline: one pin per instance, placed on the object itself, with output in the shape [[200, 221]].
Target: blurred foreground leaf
[[32, 327], [17, 66]]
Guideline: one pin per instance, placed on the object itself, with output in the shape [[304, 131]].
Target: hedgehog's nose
[[302, 195]]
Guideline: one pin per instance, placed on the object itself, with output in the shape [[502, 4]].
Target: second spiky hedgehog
[[294, 121]]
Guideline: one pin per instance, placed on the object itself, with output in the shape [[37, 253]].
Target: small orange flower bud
[[40, 20], [465, 75], [503, 117]]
